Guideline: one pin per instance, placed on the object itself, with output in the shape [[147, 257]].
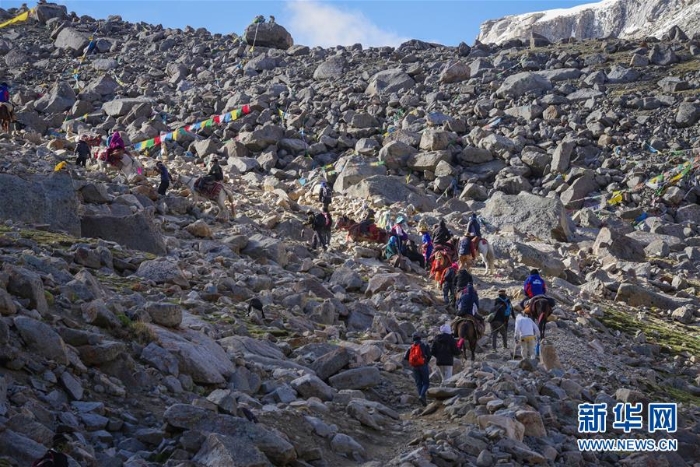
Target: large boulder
[[41, 339], [198, 355], [635, 296], [392, 190], [357, 378], [545, 218], [268, 35], [62, 97], [162, 271], [136, 231], [618, 246], [52, 199], [351, 174], [455, 73], [119, 107], [521, 83], [332, 68], [262, 246], [46, 11], [388, 81], [71, 39]]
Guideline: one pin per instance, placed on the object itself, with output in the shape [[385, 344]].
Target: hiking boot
[[423, 402]]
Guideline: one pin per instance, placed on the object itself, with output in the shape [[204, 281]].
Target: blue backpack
[[509, 307]]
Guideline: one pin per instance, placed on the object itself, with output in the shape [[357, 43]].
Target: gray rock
[[27, 284], [357, 378], [347, 278], [344, 444], [423, 161], [352, 174], [520, 84], [688, 114], [72, 39], [562, 156], [199, 356], [219, 450], [391, 189], [60, 214], [312, 386], [388, 81], [619, 246], [224, 400], [165, 314], [188, 417], [72, 386], [263, 246], [162, 271], [135, 231], [683, 314], [268, 35], [62, 97], [160, 359], [121, 107], [455, 73], [620, 74], [544, 218], [635, 295], [42, 339], [331, 363], [332, 68], [19, 448]]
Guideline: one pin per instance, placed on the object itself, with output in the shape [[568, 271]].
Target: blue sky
[[323, 23]]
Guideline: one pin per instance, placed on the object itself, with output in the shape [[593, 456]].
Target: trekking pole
[[515, 347]]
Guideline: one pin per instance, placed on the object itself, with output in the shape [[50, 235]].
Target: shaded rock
[[219, 450], [331, 363], [619, 246], [312, 386], [41, 339], [268, 35], [162, 271], [635, 295], [521, 83], [165, 314], [388, 81], [135, 231], [357, 378]]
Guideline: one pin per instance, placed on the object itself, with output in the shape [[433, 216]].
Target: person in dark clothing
[[325, 195], [421, 374], [82, 150], [317, 223], [367, 221], [215, 172], [165, 178], [327, 226], [463, 278], [468, 302], [55, 457], [444, 349], [4, 92], [448, 285], [441, 235], [473, 234], [534, 285], [499, 325]]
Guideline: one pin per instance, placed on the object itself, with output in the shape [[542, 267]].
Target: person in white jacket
[[527, 332]]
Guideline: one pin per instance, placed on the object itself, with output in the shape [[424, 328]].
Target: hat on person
[[215, 160], [400, 220], [446, 329], [323, 184], [502, 292], [422, 226], [535, 271], [416, 336]]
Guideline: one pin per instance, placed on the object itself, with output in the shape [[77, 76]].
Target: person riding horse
[[115, 146], [441, 235], [474, 233]]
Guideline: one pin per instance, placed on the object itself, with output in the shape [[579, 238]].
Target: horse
[[127, 163], [485, 250], [466, 330], [355, 233], [7, 116], [540, 311], [222, 194]]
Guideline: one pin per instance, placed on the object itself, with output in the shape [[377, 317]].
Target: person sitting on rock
[[441, 235], [272, 19], [259, 19]]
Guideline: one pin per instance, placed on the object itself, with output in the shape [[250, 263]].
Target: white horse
[[128, 164], [220, 200], [488, 256]]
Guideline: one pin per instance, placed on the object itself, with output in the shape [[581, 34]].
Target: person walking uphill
[[499, 324], [444, 349], [418, 356], [82, 150], [325, 195], [165, 178], [527, 332]]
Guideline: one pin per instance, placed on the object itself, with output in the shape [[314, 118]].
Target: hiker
[[427, 242], [215, 171], [55, 457], [259, 19], [399, 231], [4, 92], [165, 178], [449, 279], [318, 223], [328, 225], [115, 144], [499, 324], [325, 195], [441, 235], [464, 250], [418, 356], [473, 233], [82, 150], [527, 333], [412, 253], [444, 349]]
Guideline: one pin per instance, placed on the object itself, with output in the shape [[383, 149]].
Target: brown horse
[[7, 117], [466, 330], [540, 311], [372, 234]]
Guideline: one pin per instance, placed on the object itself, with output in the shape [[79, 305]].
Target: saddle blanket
[[211, 190], [478, 324]]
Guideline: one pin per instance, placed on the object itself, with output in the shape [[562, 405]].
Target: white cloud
[[316, 24]]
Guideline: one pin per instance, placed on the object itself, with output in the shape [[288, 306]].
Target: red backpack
[[415, 356]]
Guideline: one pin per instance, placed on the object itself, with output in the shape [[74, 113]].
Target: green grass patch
[[672, 337]]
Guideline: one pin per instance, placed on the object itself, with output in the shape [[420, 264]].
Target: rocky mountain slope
[[624, 19], [125, 317]]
